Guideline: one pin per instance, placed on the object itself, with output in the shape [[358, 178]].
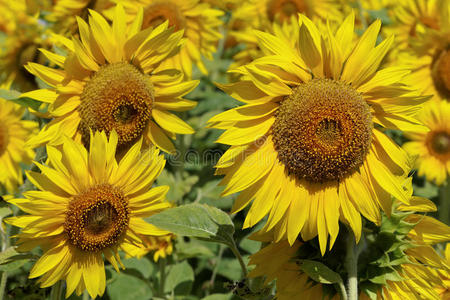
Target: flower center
[[282, 10], [322, 131], [4, 138], [441, 73], [97, 218], [438, 143], [117, 97], [160, 11]]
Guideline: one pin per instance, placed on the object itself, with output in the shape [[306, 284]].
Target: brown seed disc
[[438, 143], [97, 218], [4, 138], [159, 11], [441, 73], [322, 131], [117, 97], [284, 9]]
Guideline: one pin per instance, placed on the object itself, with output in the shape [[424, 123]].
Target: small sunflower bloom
[[308, 146], [160, 246], [88, 206], [428, 53], [14, 132], [199, 21], [432, 147], [23, 36], [412, 17], [269, 16], [108, 81], [63, 13]]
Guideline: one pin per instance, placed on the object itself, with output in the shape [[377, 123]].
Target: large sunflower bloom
[[108, 81], [199, 21], [13, 134], [418, 276], [307, 146], [432, 148], [87, 207]]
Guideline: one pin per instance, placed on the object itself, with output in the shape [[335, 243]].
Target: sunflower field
[[225, 149]]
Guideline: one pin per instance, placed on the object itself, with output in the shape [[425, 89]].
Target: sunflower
[[444, 291], [416, 277], [432, 148], [64, 12], [265, 15], [223, 4], [13, 133], [160, 246], [23, 36], [109, 81], [429, 55], [308, 145], [199, 22], [411, 17], [87, 207]]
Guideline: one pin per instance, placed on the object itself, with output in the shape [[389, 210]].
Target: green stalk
[[162, 277], [444, 202], [86, 296], [3, 285], [351, 265], [236, 253], [216, 267], [56, 292]]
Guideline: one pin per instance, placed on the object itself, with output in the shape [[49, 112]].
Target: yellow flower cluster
[[324, 89]]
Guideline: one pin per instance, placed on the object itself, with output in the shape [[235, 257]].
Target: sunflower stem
[[216, 267], [444, 202], [361, 15], [342, 290], [351, 265], [56, 292], [86, 296], [3, 284], [162, 278], [236, 253], [5, 245]]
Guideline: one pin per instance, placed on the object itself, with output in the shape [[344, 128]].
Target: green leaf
[[125, 286], [142, 265], [27, 102], [11, 260], [196, 220], [229, 268], [387, 274], [179, 187], [210, 193], [4, 211], [9, 94], [179, 279], [6, 255], [249, 245], [370, 290], [193, 248], [14, 96], [319, 272]]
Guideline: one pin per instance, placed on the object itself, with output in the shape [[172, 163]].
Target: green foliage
[[319, 272]]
